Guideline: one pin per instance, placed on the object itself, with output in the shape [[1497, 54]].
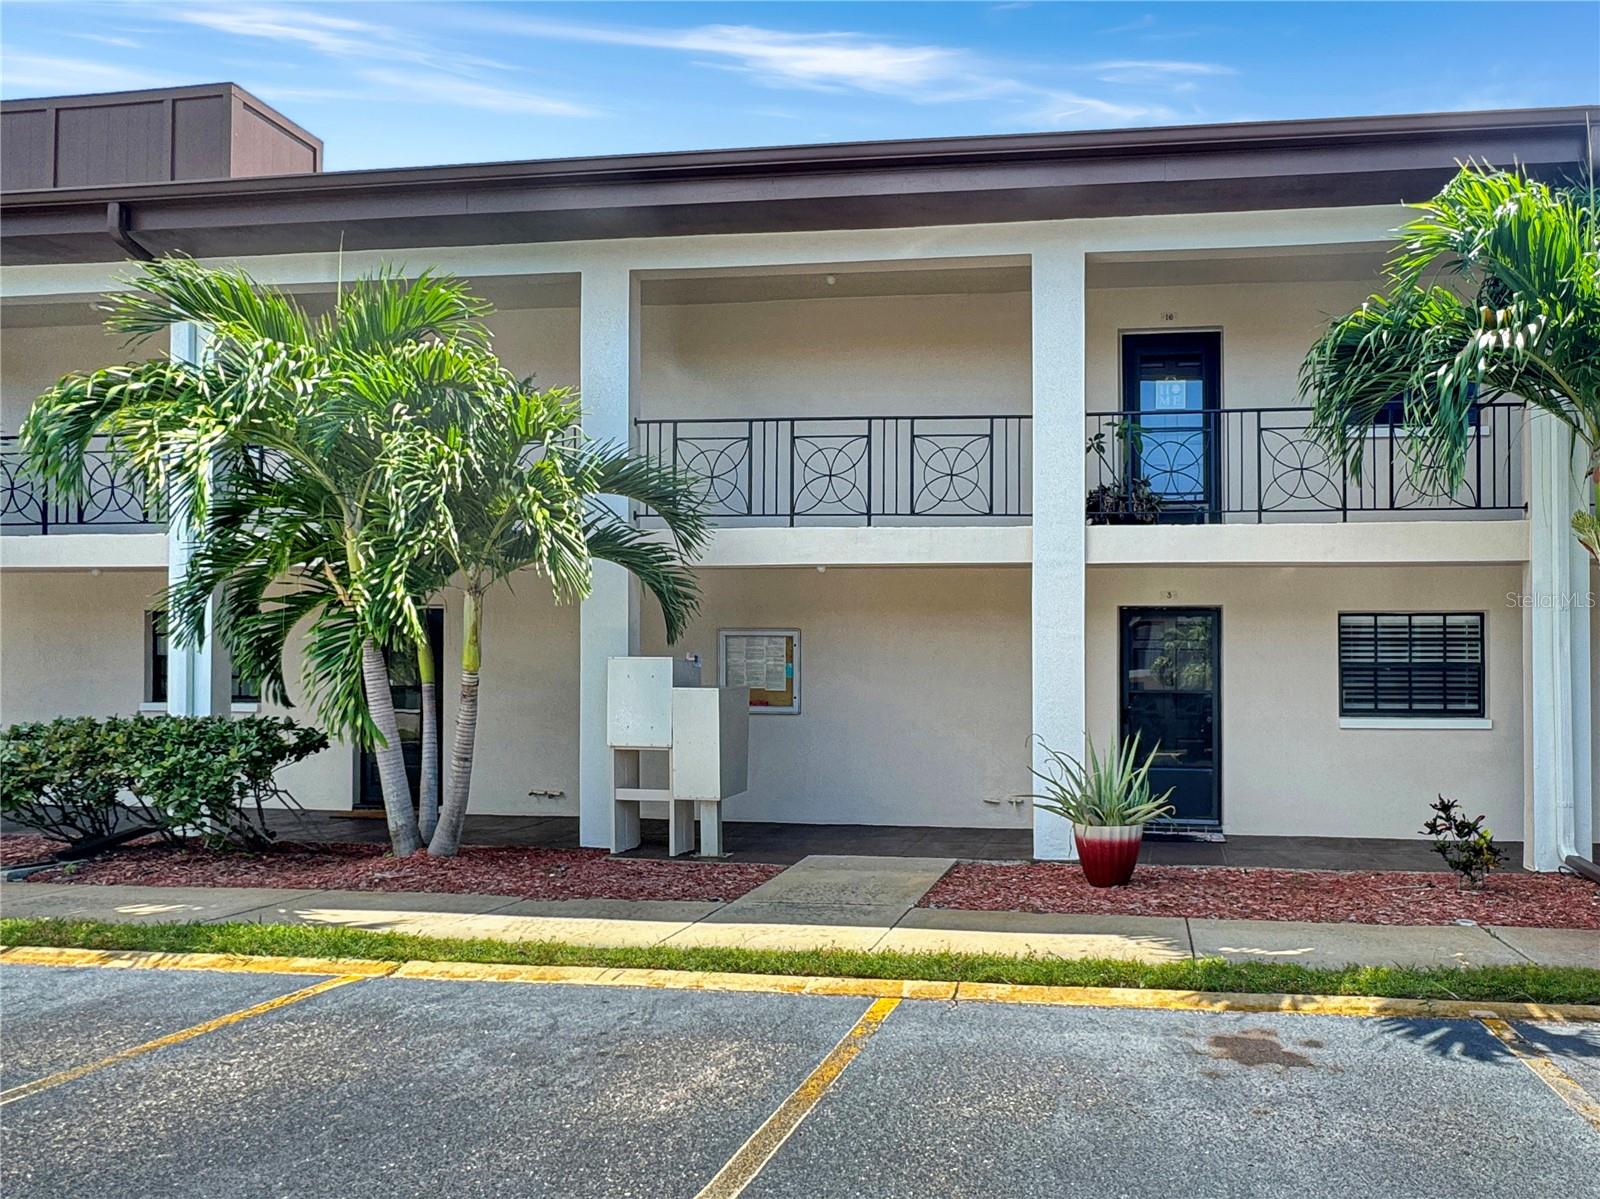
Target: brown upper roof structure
[[887, 184]]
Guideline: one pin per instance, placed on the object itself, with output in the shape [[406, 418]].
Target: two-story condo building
[[1002, 436]]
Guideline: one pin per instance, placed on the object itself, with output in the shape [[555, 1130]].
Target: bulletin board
[[764, 661]]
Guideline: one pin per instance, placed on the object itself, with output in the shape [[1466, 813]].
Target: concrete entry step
[[827, 880]]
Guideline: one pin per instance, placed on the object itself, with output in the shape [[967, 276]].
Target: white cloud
[[1141, 72], [449, 89], [55, 75], [106, 39], [828, 61], [921, 73], [1068, 110], [319, 30]]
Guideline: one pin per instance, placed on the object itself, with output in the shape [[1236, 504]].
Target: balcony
[[112, 500], [1201, 466], [854, 469]]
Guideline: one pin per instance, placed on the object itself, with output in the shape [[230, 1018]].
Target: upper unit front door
[[1171, 667], [1170, 398]]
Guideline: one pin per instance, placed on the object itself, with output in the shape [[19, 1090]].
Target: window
[[767, 661], [155, 657], [1411, 664], [245, 690], [1393, 415]]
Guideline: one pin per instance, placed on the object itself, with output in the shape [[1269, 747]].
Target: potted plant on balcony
[[1121, 501], [1108, 801]]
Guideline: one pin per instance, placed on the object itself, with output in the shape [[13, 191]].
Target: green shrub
[[210, 777], [60, 777]]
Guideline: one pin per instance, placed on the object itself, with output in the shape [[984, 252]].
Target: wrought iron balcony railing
[[1263, 465], [828, 470], [1197, 466], [112, 500]]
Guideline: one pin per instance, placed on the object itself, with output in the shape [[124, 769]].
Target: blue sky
[[389, 84]]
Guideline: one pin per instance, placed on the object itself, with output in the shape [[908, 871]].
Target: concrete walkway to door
[[861, 903]]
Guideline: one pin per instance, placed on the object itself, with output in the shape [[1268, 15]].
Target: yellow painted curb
[[1147, 998], [149, 959], [680, 980], [1151, 998]]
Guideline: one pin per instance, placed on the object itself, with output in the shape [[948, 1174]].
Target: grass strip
[[1513, 984]]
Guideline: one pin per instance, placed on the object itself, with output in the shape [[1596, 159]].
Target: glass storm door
[[1171, 670], [407, 691], [1170, 396]]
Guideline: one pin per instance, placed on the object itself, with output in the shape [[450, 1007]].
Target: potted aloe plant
[[1108, 801]]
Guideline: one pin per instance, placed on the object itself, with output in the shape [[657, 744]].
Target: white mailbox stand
[[655, 705]]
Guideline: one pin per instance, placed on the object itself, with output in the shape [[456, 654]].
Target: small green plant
[[1119, 502], [1467, 846], [1101, 792]]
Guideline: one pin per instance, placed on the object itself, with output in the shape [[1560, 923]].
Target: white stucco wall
[[31, 359], [542, 342], [1288, 769], [73, 642], [1266, 330], [844, 356], [914, 693], [957, 353]]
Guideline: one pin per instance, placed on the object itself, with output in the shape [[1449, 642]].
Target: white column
[[199, 678], [1558, 805], [1058, 522], [608, 619]]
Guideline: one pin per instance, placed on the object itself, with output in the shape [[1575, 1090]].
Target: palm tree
[[1494, 291], [530, 497], [325, 404]]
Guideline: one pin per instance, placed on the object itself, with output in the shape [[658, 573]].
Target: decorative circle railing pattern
[[830, 475], [720, 464], [111, 497], [1298, 473], [1230, 464], [952, 474]]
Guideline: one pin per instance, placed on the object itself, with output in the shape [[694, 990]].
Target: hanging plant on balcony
[[1119, 502]]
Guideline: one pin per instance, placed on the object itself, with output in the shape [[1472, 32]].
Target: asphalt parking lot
[[398, 1087]]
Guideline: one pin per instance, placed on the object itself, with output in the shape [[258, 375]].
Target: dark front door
[[407, 691], [1170, 396], [1171, 676]]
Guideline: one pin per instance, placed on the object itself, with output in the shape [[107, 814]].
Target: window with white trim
[[1411, 664], [155, 657]]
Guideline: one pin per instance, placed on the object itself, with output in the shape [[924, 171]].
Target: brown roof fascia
[[1332, 133]]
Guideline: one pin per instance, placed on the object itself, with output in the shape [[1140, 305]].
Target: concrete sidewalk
[[824, 902]]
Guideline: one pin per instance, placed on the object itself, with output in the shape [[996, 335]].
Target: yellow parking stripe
[[176, 1038], [743, 1166], [1553, 1076]]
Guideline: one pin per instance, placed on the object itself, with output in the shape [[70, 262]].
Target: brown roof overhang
[[1200, 168]]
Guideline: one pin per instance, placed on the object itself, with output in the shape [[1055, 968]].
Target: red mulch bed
[[1232, 893], [17, 848], [525, 873]]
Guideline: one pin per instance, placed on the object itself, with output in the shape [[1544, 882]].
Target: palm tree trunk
[[403, 837], [428, 797], [447, 837]]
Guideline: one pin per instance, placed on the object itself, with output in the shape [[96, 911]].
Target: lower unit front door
[[1171, 686]]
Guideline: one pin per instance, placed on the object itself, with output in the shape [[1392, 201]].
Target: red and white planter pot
[[1108, 853]]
